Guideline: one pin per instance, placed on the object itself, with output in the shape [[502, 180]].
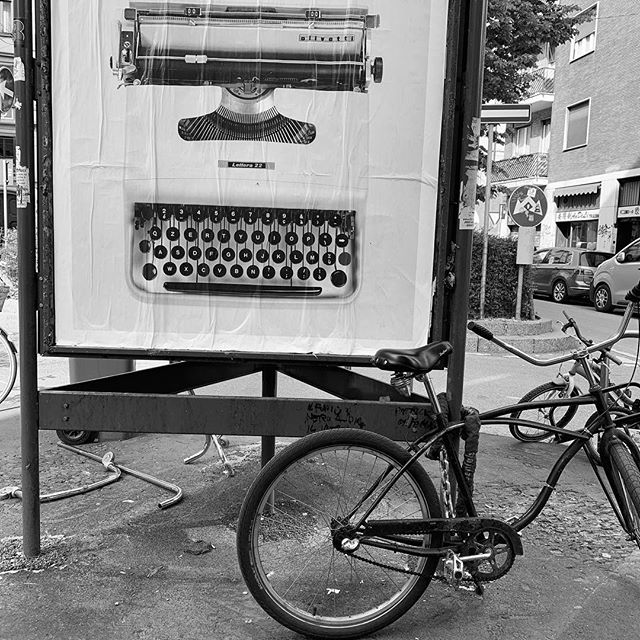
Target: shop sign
[[575, 216], [629, 212]]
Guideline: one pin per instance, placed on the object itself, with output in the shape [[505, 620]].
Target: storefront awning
[[577, 190]]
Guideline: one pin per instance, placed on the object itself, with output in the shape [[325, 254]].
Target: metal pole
[[487, 219], [269, 390], [5, 167], [519, 294], [473, 37], [28, 292]]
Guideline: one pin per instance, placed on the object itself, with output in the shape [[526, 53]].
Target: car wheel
[[559, 291], [602, 298]]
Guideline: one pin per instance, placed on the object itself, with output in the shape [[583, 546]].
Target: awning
[[577, 190]]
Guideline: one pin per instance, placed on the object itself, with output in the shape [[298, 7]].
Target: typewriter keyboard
[[244, 251]]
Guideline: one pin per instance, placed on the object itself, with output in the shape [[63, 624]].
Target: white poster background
[[376, 153]]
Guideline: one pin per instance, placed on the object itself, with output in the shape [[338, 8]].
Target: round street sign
[[528, 206], [7, 95]]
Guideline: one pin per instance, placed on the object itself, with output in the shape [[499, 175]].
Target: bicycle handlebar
[[633, 297]]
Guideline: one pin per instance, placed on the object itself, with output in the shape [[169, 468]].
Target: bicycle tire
[[76, 437], [617, 412], [626, 470], [284, 539], [558, 416], [8, 366]]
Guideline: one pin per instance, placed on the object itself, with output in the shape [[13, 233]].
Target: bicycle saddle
[[420, 360]]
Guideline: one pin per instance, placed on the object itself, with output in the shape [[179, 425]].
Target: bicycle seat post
[[431, 392]]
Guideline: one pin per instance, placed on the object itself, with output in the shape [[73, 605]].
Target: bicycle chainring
[[503, 554]]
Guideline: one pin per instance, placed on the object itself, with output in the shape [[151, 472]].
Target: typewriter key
[[329, 258], [245, 255], [286, 273], [236, 271], [195, 253], [160, 252], [149, 271], [178, 252], [207, 235], [228, 254], [181, 214], [313, 257], [279, 256], [155, 233], [304, 273], [257, 237], [164, 213], [186, 269], [253, 272], [262, 255], [250, 216], [296, 257], [224, 235], [319, 274], [342, 240], [219, 271], [325, 239], [344, 259], [233, 215], [339, 278], [267, 216], [169, 269], [211, 254], [198, 214], [308, 239], [317, 218], [302, 217], [285, 217], [291, 238], [173, 233], [145, 246], [190, 234], [203, 270], [275, 237], [240, 236], [216, 215], [268, 272], [147, 211], [335, 219]]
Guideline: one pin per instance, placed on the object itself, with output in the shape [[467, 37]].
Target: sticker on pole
[[7, 95], [528, 206]]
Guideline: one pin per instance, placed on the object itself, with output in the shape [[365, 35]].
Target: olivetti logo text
[[332, 38]]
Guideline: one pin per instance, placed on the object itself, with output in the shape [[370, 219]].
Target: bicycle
[[565, 385], [8, 365], [342, 531]]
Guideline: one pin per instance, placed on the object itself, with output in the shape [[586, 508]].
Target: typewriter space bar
[[265, 290]]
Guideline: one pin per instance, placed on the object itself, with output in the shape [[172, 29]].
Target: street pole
[[27, 277], [487, 219], [5, 167]]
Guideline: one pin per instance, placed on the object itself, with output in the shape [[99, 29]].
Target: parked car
[[615, 276], [565, 272]]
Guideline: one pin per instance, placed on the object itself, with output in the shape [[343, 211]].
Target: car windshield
[[593, 258]]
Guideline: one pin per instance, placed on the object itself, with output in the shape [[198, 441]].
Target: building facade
[[7, 116], [590, 129]]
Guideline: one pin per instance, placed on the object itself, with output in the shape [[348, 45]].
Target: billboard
[[255, 177]]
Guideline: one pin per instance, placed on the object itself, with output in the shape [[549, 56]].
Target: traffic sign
[[506, 114], [528, 206], [7, 95]]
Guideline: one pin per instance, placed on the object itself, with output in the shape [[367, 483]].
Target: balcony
[[541, 89], [532, 167]]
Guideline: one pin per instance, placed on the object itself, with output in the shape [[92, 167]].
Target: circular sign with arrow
[[7, 94], [528, 206]]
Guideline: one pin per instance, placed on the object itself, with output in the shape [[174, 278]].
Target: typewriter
[[249, 52], [244, 251]]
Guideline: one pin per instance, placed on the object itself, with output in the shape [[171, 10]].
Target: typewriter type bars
[[244, 251], [250, 52]]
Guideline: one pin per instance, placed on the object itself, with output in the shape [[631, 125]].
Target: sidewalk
[[114, 566]]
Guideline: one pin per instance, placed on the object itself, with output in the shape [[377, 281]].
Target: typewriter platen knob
[[377, 69]]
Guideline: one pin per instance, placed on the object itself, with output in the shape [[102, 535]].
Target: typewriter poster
[[249, 176]]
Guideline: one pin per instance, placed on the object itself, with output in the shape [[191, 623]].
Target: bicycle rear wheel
[[554, 416], [289, 519], [8, 366], [625, 476]]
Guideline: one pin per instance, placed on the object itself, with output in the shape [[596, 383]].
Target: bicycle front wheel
[[552, 416], [8, 366], [289, 520], [626, 481]]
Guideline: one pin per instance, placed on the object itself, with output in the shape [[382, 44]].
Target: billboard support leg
[[269, 390]]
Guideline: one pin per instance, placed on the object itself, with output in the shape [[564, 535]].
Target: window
[[629, 193], [585, 41], [6, 23], [576, 131], [7, 146], [545, 135], [593, 259], [578, 202], [632, 253], [522, 141], [540, 256]]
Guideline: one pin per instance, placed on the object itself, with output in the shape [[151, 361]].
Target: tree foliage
[[517, 31]]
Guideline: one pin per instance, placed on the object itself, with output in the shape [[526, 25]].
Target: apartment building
[[7, 115], [584, 139]]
